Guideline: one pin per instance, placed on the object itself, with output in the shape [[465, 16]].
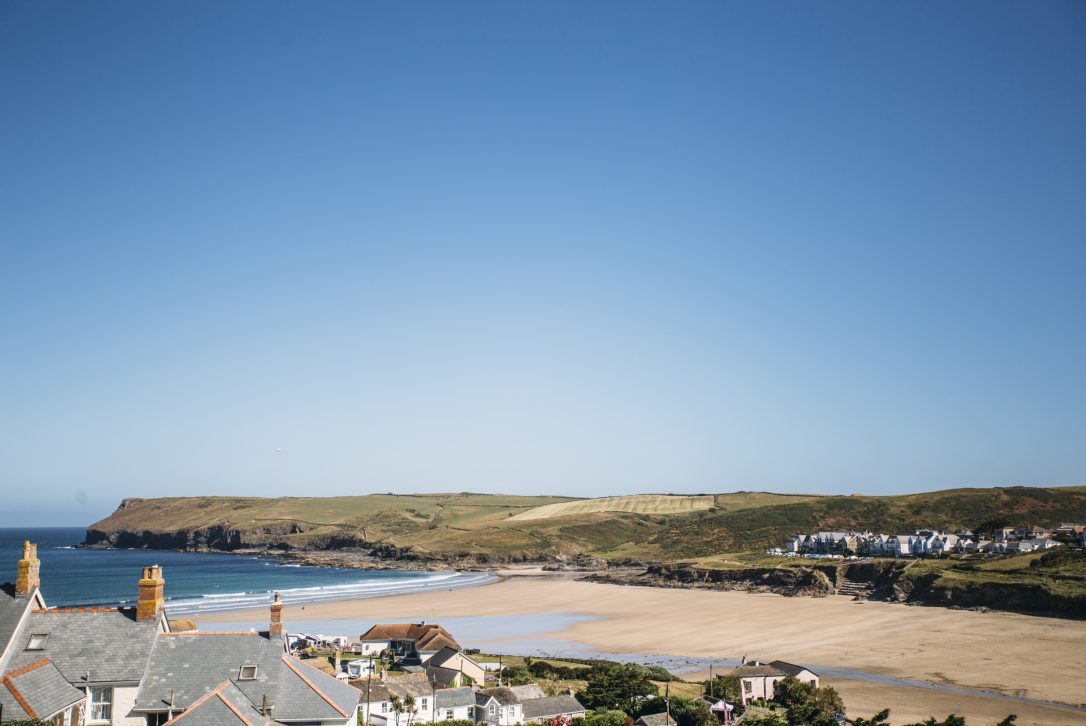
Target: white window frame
[[37, 641], [252, 668], [94, 702], [448, 714]]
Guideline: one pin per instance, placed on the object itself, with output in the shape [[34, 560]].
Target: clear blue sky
[[537, 247]]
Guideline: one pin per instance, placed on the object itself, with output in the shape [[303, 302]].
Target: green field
[[715, 530]]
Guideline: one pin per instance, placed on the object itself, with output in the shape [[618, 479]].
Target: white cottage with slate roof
[[70, 665], [124, 667]]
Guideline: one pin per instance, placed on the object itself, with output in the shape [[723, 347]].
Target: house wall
[[124, 700], [504, 716], [374, 646]]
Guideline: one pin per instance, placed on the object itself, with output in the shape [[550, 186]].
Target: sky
[[328, 248]]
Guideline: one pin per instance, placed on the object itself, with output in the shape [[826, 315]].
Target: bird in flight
[[279, 451]]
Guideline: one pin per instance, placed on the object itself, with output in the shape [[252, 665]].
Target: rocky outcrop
[[811, 581]]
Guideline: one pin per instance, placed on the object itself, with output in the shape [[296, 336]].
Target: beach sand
[[1040, 658]]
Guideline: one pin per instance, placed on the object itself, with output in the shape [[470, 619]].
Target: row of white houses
[[923, 543]]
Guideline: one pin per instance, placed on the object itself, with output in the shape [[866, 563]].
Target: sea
[[198, 582]]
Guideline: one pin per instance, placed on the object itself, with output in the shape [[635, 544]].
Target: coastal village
[[92, 666], [932, 543]]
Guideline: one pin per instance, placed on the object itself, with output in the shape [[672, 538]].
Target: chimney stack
[[275, 630], [28, 578], [152, 591]]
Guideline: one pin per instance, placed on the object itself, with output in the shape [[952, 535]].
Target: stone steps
[[853, 588]]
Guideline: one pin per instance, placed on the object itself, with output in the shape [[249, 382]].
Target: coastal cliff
[[701, 541], [1051, 584]]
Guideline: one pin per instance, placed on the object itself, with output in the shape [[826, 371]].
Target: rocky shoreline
[[888, 581]]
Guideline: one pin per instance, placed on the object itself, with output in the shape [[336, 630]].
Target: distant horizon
[[570, 496], [598, 247]]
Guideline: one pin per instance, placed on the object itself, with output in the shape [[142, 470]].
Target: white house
[[759, 680]]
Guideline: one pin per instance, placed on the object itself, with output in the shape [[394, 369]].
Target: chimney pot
[[28, 578], [275, 629], [152, 595]]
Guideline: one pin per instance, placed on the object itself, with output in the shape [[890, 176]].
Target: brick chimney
[[28, 578], [275, 630], [152, 590]]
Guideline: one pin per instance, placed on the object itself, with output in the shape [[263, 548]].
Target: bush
[[604, 717]]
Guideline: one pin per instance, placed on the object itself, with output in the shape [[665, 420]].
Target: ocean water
[[200, 582]]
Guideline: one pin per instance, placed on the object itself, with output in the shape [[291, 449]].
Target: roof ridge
[[27, 668], [199, 702], [229, 705], [319, 692], [19, 698], [217, 632], [77, 610]]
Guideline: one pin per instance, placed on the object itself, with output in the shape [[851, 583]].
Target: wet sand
[[1039, 658]]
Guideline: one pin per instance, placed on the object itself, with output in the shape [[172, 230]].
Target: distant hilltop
[[478, 529]]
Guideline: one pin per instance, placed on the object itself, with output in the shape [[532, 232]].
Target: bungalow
[[406, 640]]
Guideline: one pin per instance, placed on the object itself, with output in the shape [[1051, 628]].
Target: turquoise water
[[199, 582]]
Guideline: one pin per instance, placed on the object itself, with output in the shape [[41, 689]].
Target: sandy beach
[[1037, 658]]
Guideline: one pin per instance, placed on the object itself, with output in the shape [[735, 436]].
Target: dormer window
[[248, 673], [37, 641]]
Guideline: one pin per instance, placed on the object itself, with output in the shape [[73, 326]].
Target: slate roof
[[504, 696], [550, 706], [37, 690], [441, 676], [295, 699], [529, 690], [757, 671], [192, 665], [655, 719], [454, 697], [222, 706], [11, 612], [790, 669], [107, 644]]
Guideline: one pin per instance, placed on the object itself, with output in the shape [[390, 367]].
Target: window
[[37, 641], [158, 719], [448, 714], [384, 706], [493, 709], [100, 704], [248, 673], [424, 705]]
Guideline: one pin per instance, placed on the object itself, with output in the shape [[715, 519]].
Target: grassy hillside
[[652, 527]]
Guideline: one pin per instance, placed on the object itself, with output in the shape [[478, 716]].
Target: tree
[[882, 718], [397, 707], [1009, 721], [808, 704], [617, 687], [409, 707], [688, 712], [517, 676], [726, 687], [603, 717], [951, 720], [768, 719]]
